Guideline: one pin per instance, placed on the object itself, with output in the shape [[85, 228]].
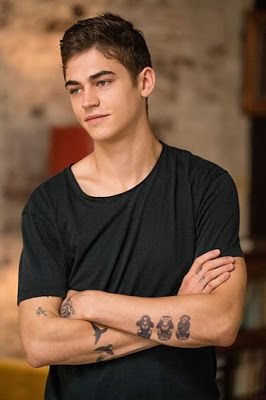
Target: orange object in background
[[68, 145], [19, 381]]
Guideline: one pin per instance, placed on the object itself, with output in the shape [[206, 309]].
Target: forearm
[[181, 321], [58, 341], [210, 315]]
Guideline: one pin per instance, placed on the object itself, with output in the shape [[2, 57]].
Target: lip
[[95, 117]]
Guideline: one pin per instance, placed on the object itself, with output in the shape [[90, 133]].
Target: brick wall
[[196, 49]]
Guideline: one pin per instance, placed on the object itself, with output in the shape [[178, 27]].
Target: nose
[[90, 98]]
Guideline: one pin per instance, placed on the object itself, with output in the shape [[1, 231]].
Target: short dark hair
[[112, 36]]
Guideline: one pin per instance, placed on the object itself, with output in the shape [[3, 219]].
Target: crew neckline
[[144, 182]]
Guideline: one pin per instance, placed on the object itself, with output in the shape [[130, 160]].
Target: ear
[[146, 81]]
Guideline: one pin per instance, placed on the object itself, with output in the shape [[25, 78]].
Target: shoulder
[[197, 170], [47, 195]]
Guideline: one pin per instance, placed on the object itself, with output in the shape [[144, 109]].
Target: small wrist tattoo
[[183, 327], [41, 311], [67, 309]]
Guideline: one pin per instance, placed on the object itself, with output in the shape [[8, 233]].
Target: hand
[[207, 273], [77, 304]]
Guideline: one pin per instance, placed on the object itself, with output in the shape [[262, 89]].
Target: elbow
[[227, 335], [227, 339], [34, 362], [33, 355]]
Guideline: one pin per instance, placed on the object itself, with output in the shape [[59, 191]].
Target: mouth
[[95, 118]]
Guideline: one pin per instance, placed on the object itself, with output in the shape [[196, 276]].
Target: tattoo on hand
[[67, 309], [165, 327], [41, 311], [183, 327], [97, 331], [104, 349], [145, 324], [202, 279], [199, 270]]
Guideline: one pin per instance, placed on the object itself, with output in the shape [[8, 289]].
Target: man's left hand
[[77, 304]]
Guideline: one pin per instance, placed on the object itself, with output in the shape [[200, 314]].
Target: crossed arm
[[99, 326]]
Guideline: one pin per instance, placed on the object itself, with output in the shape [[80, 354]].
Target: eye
[[74, 91], [102, 83]]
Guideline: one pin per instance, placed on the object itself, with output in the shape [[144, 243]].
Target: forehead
[[90, 62]]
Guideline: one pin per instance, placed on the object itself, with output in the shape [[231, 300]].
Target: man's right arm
[[49, 339]]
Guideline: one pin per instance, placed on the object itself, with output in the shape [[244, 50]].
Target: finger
[[214, 283], [217, 263], [214, 273], [214, 264], [206, 277], [199, 261]]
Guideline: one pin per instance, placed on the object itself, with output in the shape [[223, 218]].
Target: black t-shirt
[[141, 243]]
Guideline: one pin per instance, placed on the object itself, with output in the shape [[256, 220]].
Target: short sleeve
[[217, 219], [41, 268]]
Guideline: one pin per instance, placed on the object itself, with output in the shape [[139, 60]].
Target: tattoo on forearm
[[108, 349], [165, 327], [97, 331], [145, 324], [67, 309], [41, 311], [100, 358], [104, 349], [183, 327]]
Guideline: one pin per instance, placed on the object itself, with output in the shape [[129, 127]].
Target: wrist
[[92, 308], [102, 305]]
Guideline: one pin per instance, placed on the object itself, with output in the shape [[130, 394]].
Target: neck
[[127, 161]]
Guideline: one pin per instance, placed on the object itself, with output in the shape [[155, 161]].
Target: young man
[[131, 270]]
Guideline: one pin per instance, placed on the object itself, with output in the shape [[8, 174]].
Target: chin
[[105, 137]]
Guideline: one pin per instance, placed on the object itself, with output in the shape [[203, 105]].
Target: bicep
[[217, 218], [42, 268]]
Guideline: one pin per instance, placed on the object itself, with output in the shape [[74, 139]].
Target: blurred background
[[210, 60]]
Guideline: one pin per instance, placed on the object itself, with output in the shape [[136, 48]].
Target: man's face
[[105, 101]]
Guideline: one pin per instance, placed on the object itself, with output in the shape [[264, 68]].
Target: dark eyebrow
[[92, 77], [101, 73], [69, 83]]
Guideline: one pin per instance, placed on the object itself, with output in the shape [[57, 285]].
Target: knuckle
[[228, 259], [226, 275], [210, 265], [209, 275], [197, 261], [207, 265]]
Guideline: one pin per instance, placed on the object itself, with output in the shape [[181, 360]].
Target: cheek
[[76, 107], [128, 108], [123, 98]]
